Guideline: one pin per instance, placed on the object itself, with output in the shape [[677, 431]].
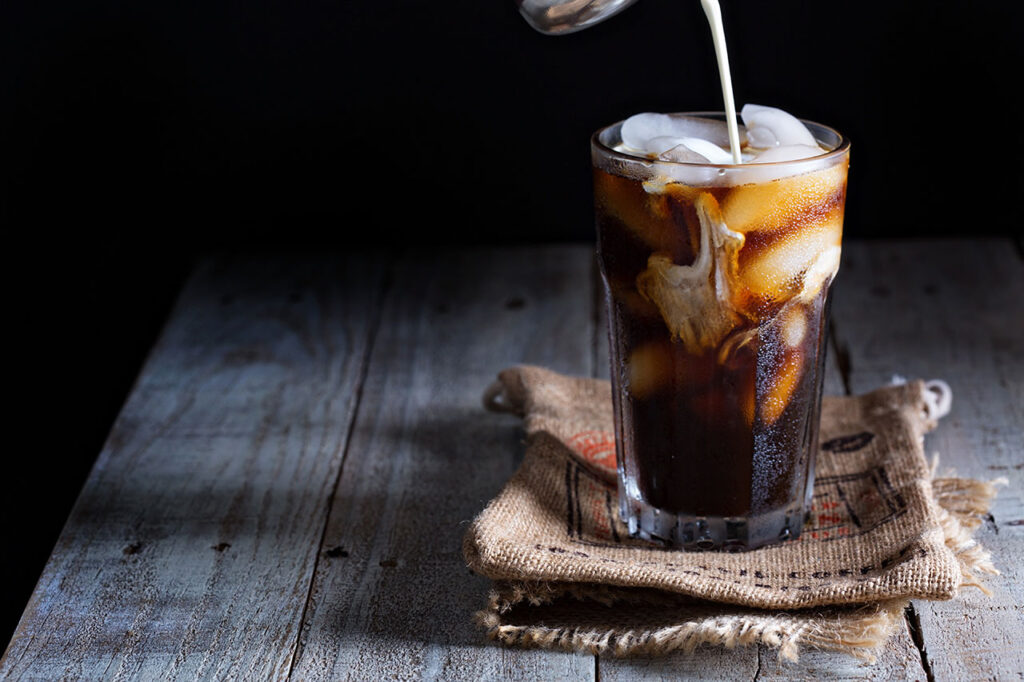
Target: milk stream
[[714, 14]]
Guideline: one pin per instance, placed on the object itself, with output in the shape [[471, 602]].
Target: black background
[[136, 135]]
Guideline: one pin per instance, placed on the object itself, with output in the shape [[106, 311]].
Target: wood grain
[[189, 552], [899, 659], [954, 310], [392, 597], [286, 488]]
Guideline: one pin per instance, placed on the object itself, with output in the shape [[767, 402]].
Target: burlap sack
[[567, 575]]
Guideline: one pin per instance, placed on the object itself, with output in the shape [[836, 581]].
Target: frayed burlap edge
[[963, 504], [859, 630]]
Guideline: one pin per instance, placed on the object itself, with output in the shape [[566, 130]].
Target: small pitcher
[[556, 17]]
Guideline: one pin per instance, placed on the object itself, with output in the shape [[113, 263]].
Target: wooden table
[[285, 491]]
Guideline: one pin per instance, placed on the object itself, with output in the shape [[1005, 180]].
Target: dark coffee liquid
[[724, 431]]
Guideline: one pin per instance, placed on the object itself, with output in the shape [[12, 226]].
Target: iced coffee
[[717, 277]]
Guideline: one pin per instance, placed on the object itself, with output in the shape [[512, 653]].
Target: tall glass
[[717, 285]]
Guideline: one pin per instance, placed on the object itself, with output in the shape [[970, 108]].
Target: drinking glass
[[717, 281]]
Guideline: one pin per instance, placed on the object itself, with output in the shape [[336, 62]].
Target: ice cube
[[789, 152], [774, 271], [771, 127], [794, 325], [646, 214], [772, 206], [709, 150], [761, 138], [650, 368], [684, 172], [712, 130], [822, 270], [639, 129], [681, 154], [661, 144], [690, 150], [780, 390], [757, 172]]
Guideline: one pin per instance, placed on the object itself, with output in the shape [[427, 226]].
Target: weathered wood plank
[[705, 663], [392, 597], [899, 659], [192, 546], [954, 310], [190, 551]]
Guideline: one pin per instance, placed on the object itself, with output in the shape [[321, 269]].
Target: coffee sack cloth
[[882, 530]]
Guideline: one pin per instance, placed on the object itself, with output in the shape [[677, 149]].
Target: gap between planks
[[224, 444], [951, 309], [840, 352], [429, 457], [385, 289]]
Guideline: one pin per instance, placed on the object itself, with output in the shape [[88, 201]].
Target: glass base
[[699, 533]]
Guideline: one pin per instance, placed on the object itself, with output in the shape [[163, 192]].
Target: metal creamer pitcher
[[556, 17]]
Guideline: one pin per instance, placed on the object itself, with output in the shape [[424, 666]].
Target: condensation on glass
[[717, 284]]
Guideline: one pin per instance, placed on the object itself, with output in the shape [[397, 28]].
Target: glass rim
[[596, 143]]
